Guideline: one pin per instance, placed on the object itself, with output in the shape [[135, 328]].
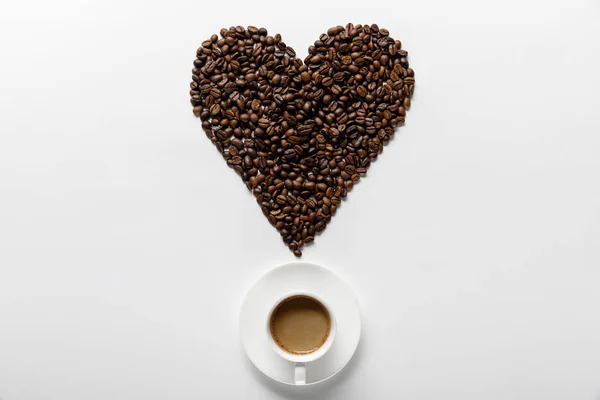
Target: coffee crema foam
[[300, 325]]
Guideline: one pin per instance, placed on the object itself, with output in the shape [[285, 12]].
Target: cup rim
[[315, 355]]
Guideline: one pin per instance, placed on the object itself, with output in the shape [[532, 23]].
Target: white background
[[126, 244]]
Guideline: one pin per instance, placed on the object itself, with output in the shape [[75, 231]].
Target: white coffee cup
[[300, 360]]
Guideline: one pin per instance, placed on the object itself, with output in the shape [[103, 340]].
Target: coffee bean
[[281, 199], [301, 134], [263, 123], [215, 109]]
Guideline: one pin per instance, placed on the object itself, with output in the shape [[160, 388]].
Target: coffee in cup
[[302, 329], [300, 325]]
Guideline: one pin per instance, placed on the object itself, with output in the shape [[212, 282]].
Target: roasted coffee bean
[[362, 91], [215, 109], [301, 134]]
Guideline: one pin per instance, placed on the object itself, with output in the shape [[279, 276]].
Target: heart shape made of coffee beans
[[301, 134]]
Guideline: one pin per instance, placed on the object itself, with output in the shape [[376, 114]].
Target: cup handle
[[300, 373]]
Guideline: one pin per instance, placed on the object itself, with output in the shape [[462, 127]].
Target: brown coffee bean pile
[[301, 134]]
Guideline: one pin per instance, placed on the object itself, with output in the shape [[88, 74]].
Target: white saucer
[[299, 276]]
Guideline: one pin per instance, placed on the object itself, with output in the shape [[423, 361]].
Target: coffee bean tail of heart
[[301, 134]]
